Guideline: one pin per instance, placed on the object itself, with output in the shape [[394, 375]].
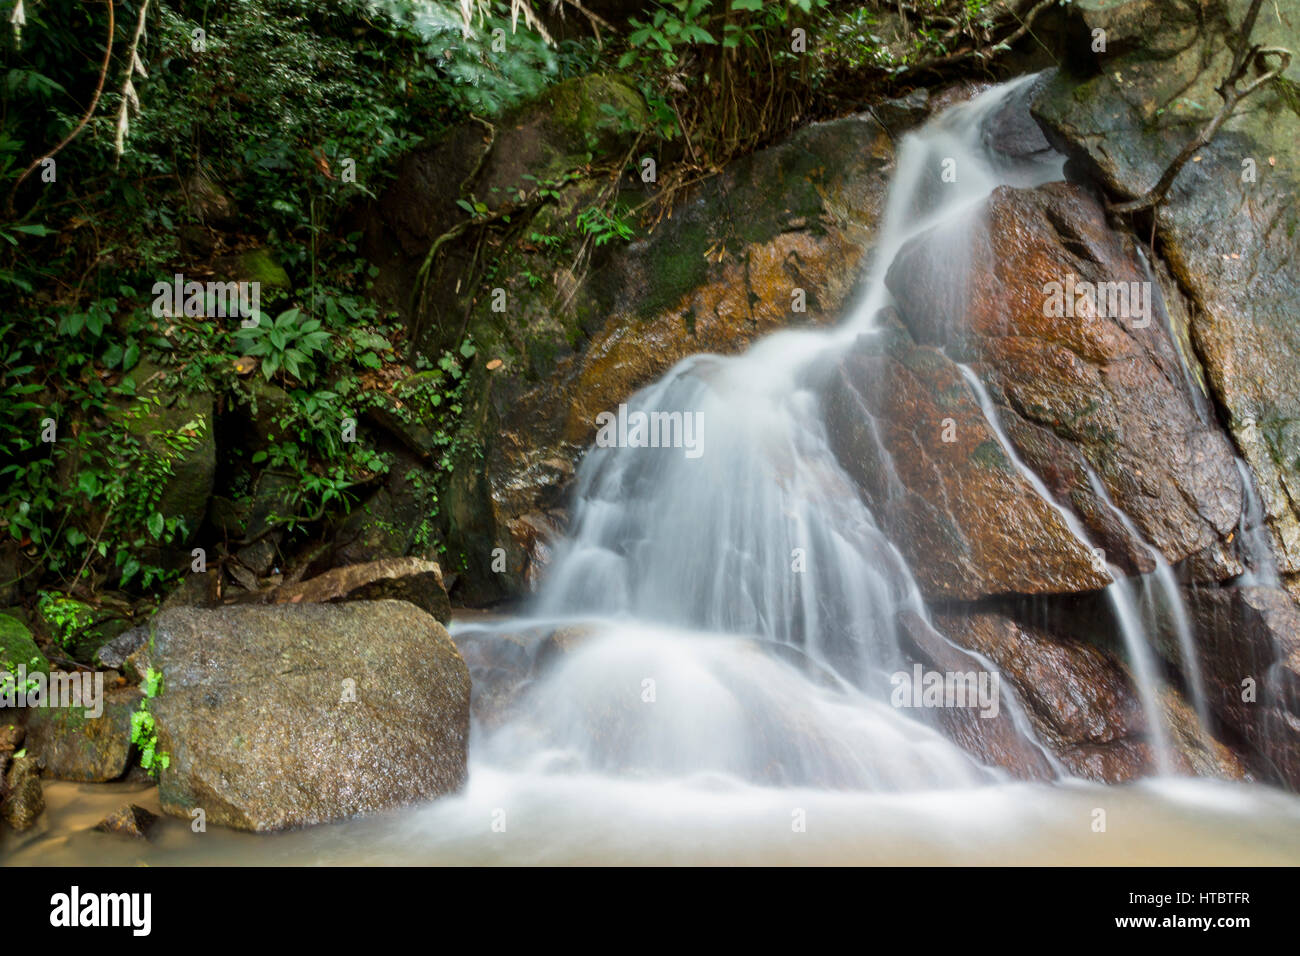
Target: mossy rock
[[258, 265], [17, 646], [81, 748], [597, 111]]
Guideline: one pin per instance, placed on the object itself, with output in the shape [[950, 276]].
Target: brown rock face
[[1057, 316], [1078, 698], [907, 428], [993, 740], [297, 714], [1081, 702], [1230, 226]]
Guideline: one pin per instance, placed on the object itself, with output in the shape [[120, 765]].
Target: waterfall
[[729, 606]]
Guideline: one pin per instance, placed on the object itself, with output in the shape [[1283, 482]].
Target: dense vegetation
[[215, 138]]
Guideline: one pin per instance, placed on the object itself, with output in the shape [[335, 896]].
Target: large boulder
[[1123, 114], [298, 714]]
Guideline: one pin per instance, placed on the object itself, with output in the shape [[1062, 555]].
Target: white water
[[695, 570], [690, 572], [1256, 542]]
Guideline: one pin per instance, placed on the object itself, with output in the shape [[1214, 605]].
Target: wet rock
[[1196, 752], [1078, 698], [24, 801], [562, 643], [1012, 130], [131, 821], [1248, 640], [902, 113], [500, 666], [907, 428], [1082, 703], [73, 746], [1230, 229], [1106, 379], [294, 714], [994, 740]]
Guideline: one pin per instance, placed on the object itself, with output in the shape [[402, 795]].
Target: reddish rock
[[966, 519], [1111, 385], [1078, 697]]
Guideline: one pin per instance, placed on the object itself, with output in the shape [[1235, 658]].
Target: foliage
[[289, 341], [284, 114], [144, 729], [602, 226], [260, 125]]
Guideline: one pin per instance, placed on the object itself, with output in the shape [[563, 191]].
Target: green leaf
[[747, 5], [156, 522], [129, 570]]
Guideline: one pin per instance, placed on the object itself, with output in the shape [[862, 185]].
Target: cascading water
[[741, 585]]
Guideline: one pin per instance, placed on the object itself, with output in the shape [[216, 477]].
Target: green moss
[[989, 454], [597, 108], [17, 646], [258, 265]]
